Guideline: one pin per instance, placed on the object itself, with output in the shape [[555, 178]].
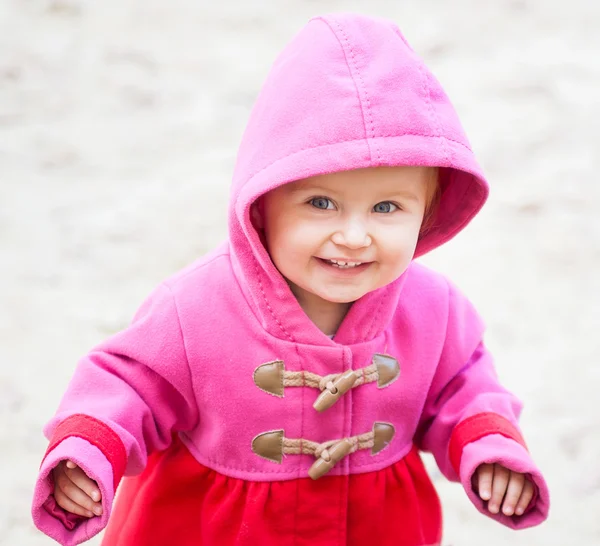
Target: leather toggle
[[334, 390], [273, 378], [273, 446], [329, 457]]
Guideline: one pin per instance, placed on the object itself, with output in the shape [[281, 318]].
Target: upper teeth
[[344, 264]]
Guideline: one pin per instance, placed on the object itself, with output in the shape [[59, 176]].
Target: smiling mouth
[[342, 264]]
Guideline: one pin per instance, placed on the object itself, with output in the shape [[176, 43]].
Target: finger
[[86, 484], [526, 496], [76, 495], [71, 464], [485, 474], [499, 483], [513, 493], [67, 504]]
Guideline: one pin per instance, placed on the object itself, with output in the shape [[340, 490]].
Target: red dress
[[198, 506]]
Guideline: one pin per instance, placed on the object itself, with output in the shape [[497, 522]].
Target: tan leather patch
[[382, 436], [269, 445], [387, 368], [269, 377]]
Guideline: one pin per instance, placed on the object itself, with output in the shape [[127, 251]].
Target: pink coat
[[348, 92]]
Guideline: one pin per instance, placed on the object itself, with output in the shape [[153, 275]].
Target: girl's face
[[338, 236]]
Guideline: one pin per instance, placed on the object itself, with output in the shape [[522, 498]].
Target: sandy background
[[119, 123]]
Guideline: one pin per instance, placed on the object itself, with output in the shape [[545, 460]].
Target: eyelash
[[312, 203]]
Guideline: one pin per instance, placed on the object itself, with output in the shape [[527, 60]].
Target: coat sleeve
[[470, 419], [126, 398]]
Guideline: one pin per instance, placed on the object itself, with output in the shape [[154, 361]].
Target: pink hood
[[348, 92]]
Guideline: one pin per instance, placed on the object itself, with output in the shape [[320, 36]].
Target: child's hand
[[74, 491], [493, 482]]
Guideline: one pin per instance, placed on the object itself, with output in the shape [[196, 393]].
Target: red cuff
[[477, 426], [96, 433]]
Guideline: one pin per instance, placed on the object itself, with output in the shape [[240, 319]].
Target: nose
[[353, 234]]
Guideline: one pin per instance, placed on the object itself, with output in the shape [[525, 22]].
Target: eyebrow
[[406, 194], [307, 186]]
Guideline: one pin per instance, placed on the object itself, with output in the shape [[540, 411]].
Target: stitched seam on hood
[[428, 136], [364, 89], [262, 290], [434, 121], [447, 150], [335, 143], [365, 108]]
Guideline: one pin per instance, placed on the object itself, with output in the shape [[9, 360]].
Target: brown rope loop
[[316, 381], [328, 379], [323, 451], [320, 448]]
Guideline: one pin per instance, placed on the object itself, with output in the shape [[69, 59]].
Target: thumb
[[71, 464]]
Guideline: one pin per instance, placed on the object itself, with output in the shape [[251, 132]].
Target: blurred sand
[[119, 123]]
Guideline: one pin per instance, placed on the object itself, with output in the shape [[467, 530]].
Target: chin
[[342, 298]]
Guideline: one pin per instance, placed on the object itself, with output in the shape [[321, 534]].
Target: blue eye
[[321, 203], [385, 207]]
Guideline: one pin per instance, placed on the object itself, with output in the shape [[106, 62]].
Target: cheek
[[291, 245], [397, 247]]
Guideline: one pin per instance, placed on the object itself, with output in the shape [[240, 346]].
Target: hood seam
[[282, 158], [433, 118], [365, 108], [262, 291], [366, 94]]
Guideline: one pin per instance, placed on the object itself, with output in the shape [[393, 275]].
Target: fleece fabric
[[177, 386]]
